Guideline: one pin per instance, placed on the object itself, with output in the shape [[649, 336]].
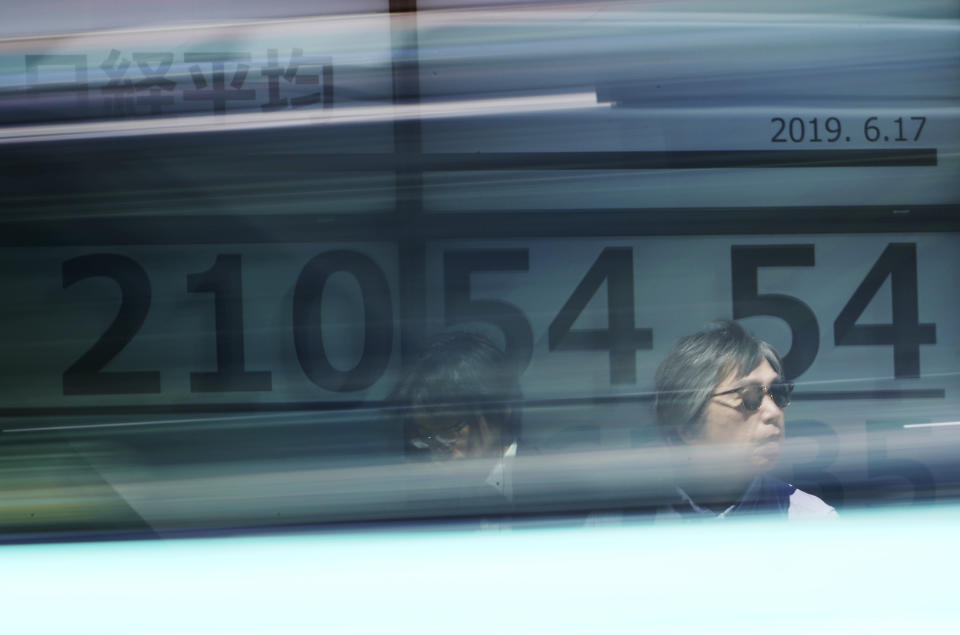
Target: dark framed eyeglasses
[[751, 395], [439, 440]]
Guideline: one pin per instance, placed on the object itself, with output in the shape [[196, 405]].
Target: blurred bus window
[[228, 232]]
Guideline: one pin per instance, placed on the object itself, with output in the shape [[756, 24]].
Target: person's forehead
[[763, 373]]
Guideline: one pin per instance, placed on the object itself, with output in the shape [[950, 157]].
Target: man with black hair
[[459, 399], [720, 404]]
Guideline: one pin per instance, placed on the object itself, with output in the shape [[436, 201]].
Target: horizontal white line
[[328, 116], [127, 424], [250, 24], [941, 424]]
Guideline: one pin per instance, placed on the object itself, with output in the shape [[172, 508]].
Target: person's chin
[[766, 455]]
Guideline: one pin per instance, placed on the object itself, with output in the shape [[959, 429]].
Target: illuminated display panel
[[266, 237]]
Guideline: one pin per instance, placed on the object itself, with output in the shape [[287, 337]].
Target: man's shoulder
[[803, 505]]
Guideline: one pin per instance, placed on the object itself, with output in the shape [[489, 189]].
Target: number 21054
[[620, 339]]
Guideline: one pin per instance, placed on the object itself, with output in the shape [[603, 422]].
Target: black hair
[[461, 371]]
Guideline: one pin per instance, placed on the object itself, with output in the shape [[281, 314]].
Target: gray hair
[[690, 373]]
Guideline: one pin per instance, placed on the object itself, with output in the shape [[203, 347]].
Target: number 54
[[905, 333]]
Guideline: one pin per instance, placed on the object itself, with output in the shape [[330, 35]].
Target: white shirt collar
[[501, 476]]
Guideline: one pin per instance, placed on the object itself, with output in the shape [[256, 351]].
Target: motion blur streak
[[261, 121], [97, 486], [940, 424]]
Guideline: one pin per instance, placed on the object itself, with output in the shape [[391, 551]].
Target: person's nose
[[771, 413], [460, 448]]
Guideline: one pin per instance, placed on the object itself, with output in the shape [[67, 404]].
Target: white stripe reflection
[[332, 116], [940, 424]]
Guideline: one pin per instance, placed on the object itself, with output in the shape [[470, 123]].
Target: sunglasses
[[752, 394]]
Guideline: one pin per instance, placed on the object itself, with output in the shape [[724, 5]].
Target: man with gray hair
[[720, 402]]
